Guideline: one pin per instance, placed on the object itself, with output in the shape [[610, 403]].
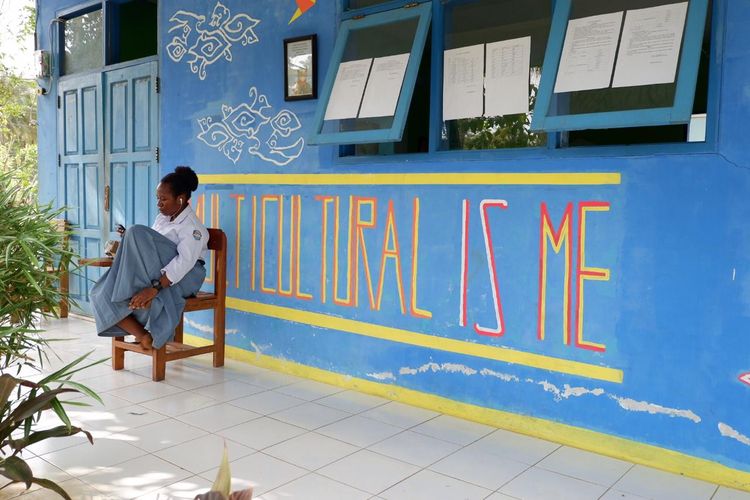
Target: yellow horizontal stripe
[[409, 179], [604, 444], [429, 341]]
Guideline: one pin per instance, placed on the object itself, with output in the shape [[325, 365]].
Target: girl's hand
[[142, 299]]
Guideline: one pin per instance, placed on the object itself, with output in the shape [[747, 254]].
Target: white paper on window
[[348, 87], [463, 82], [588, 54], [650, 45], [384, 86], [507, 79]]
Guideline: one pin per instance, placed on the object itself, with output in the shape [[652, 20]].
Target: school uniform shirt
[[191, 238]]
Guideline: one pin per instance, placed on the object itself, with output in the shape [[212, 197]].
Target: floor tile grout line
[[632, 465]]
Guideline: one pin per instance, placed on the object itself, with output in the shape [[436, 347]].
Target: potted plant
[[32, 256]]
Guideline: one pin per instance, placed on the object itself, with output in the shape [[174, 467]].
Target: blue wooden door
[[80, 169], [131, 147]]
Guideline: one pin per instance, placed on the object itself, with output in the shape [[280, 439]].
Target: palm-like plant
[[32, 256]]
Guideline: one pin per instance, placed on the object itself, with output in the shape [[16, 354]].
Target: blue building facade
[[588, 288]]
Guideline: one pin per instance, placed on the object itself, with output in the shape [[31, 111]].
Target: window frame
[[71, 13], [686, 80], [554, 150], [423, 12]]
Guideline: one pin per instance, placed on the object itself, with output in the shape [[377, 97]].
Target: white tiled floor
[[295, 438]]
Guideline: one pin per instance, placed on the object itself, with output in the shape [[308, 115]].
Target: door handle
[[106, 198]]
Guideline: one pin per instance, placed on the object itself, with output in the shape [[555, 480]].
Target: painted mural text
[[364, 248]]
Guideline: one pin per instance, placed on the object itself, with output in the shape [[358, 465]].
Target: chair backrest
[[217, 241]]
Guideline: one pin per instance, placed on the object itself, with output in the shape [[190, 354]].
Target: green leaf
[[223, 483], [59, 431], [17, 470], [50, 485], [7, 384]]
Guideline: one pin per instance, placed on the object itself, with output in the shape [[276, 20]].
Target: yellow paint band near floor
[[597, 442], [417, 179], [429, 341]]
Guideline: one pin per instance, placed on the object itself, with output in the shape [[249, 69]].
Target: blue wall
[[674, 237]]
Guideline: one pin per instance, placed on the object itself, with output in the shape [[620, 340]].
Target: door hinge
[[59, 161], [156, 154], [157, 85], [58, 102]]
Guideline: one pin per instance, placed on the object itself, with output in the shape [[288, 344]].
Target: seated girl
[[155, 269]]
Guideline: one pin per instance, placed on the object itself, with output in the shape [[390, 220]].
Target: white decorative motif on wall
[[205, 44], [250, 127]]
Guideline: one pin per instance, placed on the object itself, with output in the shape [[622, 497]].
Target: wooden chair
[[217, 241], [61, 225]]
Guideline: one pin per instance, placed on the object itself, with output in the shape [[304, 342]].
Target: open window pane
[[622, 63], [368, 90], [82, 42], [513, 35], [134, 30]]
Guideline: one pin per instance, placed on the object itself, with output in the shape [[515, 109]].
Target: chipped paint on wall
[[434, 368], [382, 376], [208, 328], [633, 405], [729, 432], [507, 377], [568, 391]]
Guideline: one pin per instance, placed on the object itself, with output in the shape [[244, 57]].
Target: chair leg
[[178, 331], [64, 289], [219, 319], [159, 364], [118, 354]]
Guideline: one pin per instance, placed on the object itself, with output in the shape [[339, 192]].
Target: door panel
[[107, 135], [80, 177], [130, 149]]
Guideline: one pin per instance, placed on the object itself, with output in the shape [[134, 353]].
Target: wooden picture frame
[[300, 68]]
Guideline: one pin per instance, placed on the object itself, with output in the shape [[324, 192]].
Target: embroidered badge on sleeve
[[197, 234]]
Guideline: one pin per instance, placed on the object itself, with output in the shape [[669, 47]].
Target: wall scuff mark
[[568, 391], [207, 328], [729, 432], [434, 368], [633, 405]]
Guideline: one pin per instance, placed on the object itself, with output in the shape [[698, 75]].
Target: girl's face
[[167, 203]]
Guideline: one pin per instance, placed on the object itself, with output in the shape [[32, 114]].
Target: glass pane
[[614, 99], [136, 30], [489, 21], [358, 4], [377, 41], [83, 43], [659, 134]]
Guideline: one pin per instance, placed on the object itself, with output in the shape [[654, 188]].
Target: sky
[[19, 57]]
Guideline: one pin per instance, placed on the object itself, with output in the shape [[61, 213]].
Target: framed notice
[[300, 69]]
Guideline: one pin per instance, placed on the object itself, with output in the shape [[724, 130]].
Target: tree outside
[[18, 125]]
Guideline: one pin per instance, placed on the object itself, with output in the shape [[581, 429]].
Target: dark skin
[[170, 205]]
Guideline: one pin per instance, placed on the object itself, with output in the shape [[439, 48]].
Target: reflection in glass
[[83, 43], [487, 21]]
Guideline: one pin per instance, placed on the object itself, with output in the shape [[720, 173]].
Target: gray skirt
[[142, 255]]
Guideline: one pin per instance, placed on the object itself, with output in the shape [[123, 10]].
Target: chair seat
[[203, 300]]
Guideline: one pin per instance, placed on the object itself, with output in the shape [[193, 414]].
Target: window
[[520, 74], [621, 63], [111, 32], [83, 42], [368, 90], [513, 35], [133, 30]]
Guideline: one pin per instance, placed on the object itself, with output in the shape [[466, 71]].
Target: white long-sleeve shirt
[[191, 238]]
